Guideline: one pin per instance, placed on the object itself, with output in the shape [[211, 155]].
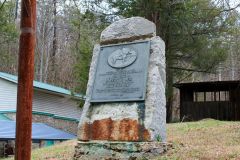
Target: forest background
[[202, 38]]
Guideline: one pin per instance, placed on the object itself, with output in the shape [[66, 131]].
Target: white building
[[52, 105]]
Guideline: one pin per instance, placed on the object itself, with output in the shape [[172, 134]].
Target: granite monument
[[124, 114]]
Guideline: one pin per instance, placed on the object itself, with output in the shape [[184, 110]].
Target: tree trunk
[[155, 17], [169, 92], [54, 45]]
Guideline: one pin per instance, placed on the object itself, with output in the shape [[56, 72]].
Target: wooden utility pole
[[25, 80]]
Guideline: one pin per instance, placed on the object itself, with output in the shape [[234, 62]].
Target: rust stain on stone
[[129, 130], [115, 130], [101, 129], [85, 132], [146, 135]]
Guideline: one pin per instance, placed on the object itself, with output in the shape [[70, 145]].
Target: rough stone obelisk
[[124, 112]]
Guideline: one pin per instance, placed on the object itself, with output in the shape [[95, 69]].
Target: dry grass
[[203, 140]]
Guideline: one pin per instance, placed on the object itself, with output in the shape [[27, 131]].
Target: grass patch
[[192, 126], [62, 151], [207, 139]]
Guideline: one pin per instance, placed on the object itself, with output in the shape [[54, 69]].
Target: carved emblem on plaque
[[122, 58]]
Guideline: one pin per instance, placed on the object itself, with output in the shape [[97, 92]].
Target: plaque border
[[145, 79]]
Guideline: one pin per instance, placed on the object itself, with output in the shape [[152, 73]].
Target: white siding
[[42, 102], [58, 105], [8, 95]]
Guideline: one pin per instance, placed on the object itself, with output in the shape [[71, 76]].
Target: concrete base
[[101, 150]]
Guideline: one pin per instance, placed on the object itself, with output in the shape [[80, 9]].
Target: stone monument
[[124, 115]]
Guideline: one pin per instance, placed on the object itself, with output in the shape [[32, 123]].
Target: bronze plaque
[[121, 73]]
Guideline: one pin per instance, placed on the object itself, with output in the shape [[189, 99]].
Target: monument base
[[100, 150]]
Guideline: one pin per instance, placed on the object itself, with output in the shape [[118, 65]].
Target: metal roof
[[40, 131], [41, 85], [209, 85]]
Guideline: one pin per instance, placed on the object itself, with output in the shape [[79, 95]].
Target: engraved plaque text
[[121, 73]]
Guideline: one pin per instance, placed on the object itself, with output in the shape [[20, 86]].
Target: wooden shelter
[[219, 100]]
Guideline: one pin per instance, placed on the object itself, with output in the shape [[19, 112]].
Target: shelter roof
[[209, 85]]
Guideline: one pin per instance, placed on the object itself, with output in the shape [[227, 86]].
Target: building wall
[[67, 125], [52, 109], [58, 105], [42, 101], [8, 95]]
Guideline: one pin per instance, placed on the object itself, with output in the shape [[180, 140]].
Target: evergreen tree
[[86, 27], [8, 37], [193, 30]]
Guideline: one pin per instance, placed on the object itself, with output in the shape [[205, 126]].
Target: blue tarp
[[40, 131]]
